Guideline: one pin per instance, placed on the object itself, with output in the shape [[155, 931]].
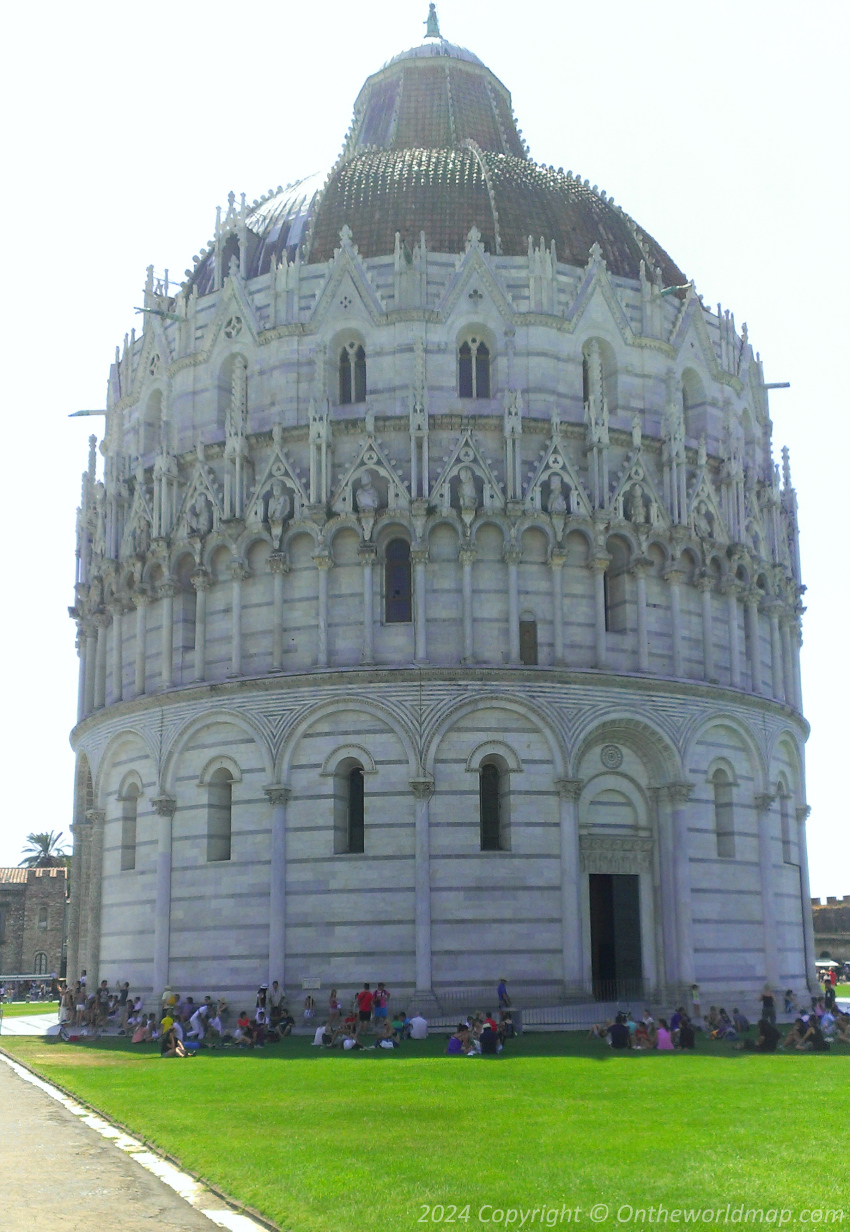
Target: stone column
[[323, 563], [557, 560], [806, 896], [102, 622], [599, 565], [569, 791], [513, 555], [639, 572], [164, 806], [795, 664], [95, 894], [764, 804], [279, 566], [419, 560], [752, 600], [668, 893], [704, 584], [80, 832], [423, 788], [677, 796], [673, 578], [466, 556], [278, 796], [238, 574], [367, 553], [117, 610], [730, 590], [166, 595], [778, 676], [81, 678], [201, 582], [140, 600], [787, 661]]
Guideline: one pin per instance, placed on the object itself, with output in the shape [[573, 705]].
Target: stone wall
[[32, 903]]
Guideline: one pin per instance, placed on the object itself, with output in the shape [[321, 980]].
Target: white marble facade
[[604, 602]]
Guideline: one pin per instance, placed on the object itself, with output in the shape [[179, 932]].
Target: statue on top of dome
[[432, 26]]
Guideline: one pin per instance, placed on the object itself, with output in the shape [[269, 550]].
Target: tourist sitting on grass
[[827, 1023], [459, 1044], [350, 1042], [244, 1032], [767, 1038], [489, 1044], [618, 1032], [417, 1027], [740, 1021], [725, 1028], [676, 1022], [196, 1024], [813, 1040], [648, 1021], [388, 1037], [795, 1035], [286, 1023], [400, 1025], [663, 1038], [711, 1019], [641, 1039], [507, 1029], [841, 1031], [214, 1031], [171, 1046], [320, 1033], [260, 1028], [145, 1030], [685, 1037], [599, 1030]]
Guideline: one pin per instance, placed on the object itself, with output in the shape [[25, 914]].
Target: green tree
[[45, 850]]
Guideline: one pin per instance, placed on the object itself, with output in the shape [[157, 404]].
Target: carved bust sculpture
[[279, 503], [367, 494], [468, 495], [199, 518], [557, 500]]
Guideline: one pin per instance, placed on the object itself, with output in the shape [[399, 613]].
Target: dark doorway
[[615, 936]]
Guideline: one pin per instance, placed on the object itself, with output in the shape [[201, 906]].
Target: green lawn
[[22, 1009], [325, 1142]]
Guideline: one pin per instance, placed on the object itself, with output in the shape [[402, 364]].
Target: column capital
[[278, 793], [764, 800], [419, 556], [239, 572], [164, 805], [803, 812], [557, 558], [674, 793], [673, 575], [599, 563], [368, 553], [704, 580], [569, 789], [201, 579], [279, 562], [512, 554], [752, 597], [322, 560], [139, 597], [422, 787], [96, 816], [467, 555], [117, 607], [102, 620], [731, 587], [640, 566], [166, 589]]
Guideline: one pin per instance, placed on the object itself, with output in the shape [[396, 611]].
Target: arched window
[[349, 808], [724, 818], [42, 919], [39, 963], [397, 585], [785, 821], [352, 374], [528, 640], [129, 812], [473, 369], [614, 583], [219, 815], [494, 804]]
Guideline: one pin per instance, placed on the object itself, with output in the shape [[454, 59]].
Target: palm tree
[[45, 850]]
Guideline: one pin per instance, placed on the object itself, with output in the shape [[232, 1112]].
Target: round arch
[[546, 722], [210, 717], [644, 739], [755, 754], [101, 765], [283, 758]]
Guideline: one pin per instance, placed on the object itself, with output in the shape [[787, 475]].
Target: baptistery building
[[438, 596]]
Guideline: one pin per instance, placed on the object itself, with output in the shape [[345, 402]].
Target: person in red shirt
[[489, 1020], [365, 1000]]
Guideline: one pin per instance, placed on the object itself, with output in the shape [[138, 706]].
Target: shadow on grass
[[573, 1044]]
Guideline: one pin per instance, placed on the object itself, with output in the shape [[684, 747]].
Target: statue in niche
[[141, 537], [703, 521], [99, 540], [557, 500], [199, 519], [635, 505], [96, 595], [279, 505], [466, 489], [366, 495]]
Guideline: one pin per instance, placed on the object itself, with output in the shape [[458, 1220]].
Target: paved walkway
[[28, 1024], [59, 1173]]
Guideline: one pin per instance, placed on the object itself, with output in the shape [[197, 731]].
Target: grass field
[[323, 1142], [23, 1009]]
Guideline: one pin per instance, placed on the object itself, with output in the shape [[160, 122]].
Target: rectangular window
[[528, 642]]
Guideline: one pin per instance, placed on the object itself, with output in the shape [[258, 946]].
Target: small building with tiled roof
[[32, 920]]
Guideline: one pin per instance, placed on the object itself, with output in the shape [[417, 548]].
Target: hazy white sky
[[721, 128]]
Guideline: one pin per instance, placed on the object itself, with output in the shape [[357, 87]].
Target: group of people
[[30, 990], [481, 1035], [624, 1031]]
